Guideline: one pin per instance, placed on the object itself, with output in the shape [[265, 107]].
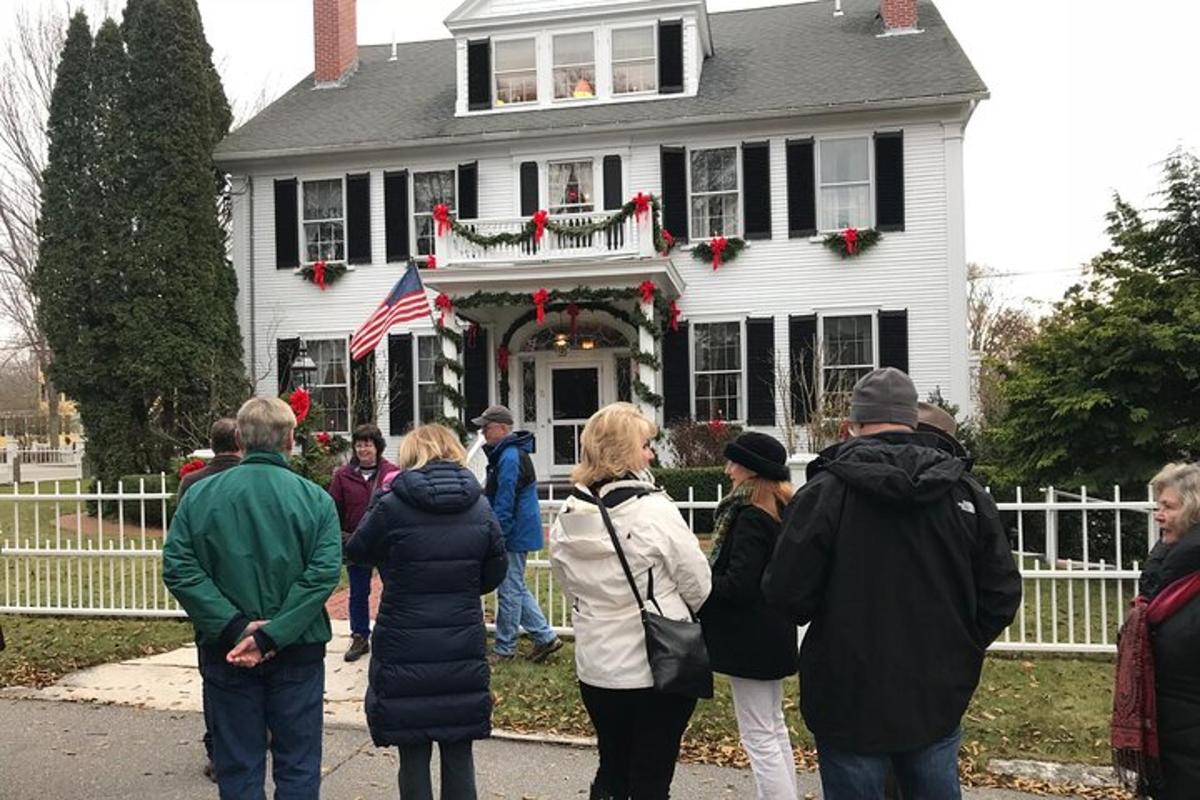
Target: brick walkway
[[338, 604]]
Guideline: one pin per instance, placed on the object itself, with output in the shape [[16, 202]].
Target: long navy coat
[[438, 548]]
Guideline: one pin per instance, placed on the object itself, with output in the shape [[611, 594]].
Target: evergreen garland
[[703, 251], [333, 271], [852, 241]]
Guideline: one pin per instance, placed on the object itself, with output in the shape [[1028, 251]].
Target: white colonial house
[[774, 127]]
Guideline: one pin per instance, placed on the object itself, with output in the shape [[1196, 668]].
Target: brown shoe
[[543, 651], [359, 647], [499, 658]]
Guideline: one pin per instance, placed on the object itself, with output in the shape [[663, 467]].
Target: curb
[[1054, 772]]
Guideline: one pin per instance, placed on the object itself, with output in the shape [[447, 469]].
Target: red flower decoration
[[668, 241], [539, 225], [641, 205], [191, 466], [502, 358], [717, 245], [539, 301], [850, 236], [300, 403], [441, 215], [319, 275], [647, 289], [674, 311], [717, 426], [431, 262], [444, 305], [323, 439]]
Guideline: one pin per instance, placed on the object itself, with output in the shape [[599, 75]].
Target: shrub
[[149, 510], [700, 444], [704, 480]]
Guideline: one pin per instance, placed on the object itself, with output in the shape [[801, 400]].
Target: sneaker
[[496, 658], [359, 647], [543, 651], [210, 771]]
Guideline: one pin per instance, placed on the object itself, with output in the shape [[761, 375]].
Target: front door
[[574, 397]]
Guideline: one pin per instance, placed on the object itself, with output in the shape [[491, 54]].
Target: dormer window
[[516, 71], [574, 66], [634, 65]]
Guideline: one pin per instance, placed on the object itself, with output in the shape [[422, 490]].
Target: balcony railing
[[628, 239]]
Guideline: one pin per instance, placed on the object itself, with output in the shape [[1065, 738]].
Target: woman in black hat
[[747, 640]]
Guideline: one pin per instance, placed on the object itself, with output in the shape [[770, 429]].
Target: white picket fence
[[67, 550]]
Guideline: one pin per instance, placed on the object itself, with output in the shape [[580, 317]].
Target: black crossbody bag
[[676, 651]]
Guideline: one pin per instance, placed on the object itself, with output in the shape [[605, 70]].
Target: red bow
[[674, 311], [647, 289], [641, 205], [319, 275], [441, 215], [668, 241], [431, 262], [717, 426], [539, 225], [850, 235], [573, 313], [539, 301], [502, 358], [717, 246], [444, 305], [324, 439], [191, 466], [300, 403]]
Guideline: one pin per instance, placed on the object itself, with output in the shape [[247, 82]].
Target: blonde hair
[[611, 444], [426, 443], [771, 496], [1185, 480], [265, 423]]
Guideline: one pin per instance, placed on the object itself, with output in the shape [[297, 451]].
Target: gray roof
[[788, 59]]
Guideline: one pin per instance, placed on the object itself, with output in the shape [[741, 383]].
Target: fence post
[[1051, 528], [798, 466], [14, 458]]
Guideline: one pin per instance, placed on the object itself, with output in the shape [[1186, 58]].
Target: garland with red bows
[[852, 241], [719, 250], [322, 273]]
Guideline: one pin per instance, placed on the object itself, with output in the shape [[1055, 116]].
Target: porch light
[[303, 368], [561, 344], [587, 343]]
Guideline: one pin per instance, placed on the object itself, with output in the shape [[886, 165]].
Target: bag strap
[[612, 533]]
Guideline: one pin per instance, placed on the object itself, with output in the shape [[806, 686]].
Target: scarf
[[726, 510], [1135, 714]]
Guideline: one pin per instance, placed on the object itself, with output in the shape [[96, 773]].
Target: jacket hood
[[522, 440], [441, 487], [900, 468]]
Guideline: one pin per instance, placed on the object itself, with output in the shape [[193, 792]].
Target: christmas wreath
[[719, 250], [322, 273], [852, 241]]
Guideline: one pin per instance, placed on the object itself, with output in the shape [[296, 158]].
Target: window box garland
[[322, 273], [852, 241], [719, 250]]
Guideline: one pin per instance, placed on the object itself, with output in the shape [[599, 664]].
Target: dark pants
[[244, 705], [930, 773], [207, 725], [360, 598], [638, 731], [458, 771]]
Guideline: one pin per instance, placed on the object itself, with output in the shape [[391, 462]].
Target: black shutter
[[395, 215], [802, 350], [677, 378], [756, 189], [286, 351], [889, 181], [893, 339], [801, 188], [614, 194], [400, 383], [475, 377], [468, 190], [529, 188], [479, 75], [674, 192], [362, 389], [760, 371], [358, 219], [287, 225], [670, 57]]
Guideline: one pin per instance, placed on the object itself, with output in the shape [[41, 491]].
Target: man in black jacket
[[897, 560]]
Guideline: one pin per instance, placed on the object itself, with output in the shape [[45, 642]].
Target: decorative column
[[647, 374], [448, 376]]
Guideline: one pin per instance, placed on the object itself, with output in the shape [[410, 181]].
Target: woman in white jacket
[[638, 728]]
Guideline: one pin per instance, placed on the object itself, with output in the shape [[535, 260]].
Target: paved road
[[56, 749]]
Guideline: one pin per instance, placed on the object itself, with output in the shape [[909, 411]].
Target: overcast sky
[[1088, 98]]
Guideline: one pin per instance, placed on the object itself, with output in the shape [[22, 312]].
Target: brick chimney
[[335, 40], [898, 15]]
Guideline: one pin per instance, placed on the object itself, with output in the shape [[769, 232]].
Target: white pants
[[758, 706]]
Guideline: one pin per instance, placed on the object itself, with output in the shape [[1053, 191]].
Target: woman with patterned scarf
[[1156, 702], [748, 641]]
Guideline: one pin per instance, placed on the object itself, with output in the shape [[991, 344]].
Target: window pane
[[322, 199], [528, 391], [333, 401], [515, 55], [429, 402], [573, 48], [570, 186], [718, 346], [715, 215], [844, 160], [427, 353], [635, 76], [717, 396], [330, 357], [714, 170], [624, 379], [575, 82], [848, 342], [431, 188], [628, 43], [845, 207]]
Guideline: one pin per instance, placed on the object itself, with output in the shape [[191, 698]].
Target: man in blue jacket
[[512, 491]]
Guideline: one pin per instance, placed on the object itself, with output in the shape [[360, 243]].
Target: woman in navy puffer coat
[[438, 548]]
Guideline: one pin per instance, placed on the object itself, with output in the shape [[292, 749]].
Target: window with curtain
[[847, 352], [570, 184], [718, 370], [714, 192], [429, 401], [515, 65], [574, 66], [845, 183], [324, 221], [634, 61], [330, 385], [429, 189]]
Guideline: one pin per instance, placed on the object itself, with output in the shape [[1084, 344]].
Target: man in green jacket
[[252, 555]]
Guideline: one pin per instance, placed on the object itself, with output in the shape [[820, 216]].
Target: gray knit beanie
[[884, 395]]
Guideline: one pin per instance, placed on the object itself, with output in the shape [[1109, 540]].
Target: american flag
[[405, 302]]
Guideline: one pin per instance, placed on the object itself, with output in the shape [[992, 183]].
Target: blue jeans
[[930, 773], [244, 705], [360, 599], [517, 608]]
